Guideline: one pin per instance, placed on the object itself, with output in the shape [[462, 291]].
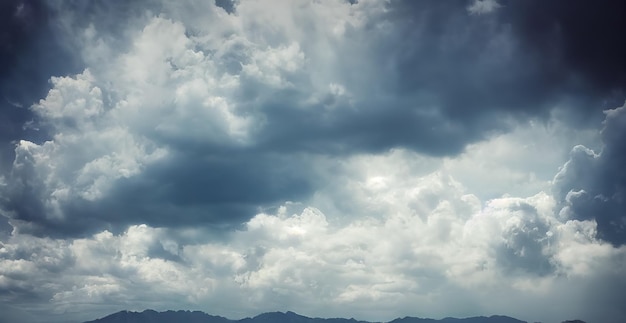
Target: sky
[[370, 159]]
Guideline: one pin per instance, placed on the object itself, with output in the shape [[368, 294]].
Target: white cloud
[[268, 66], [72, 100], [194, 109], [167, 89], [433, 244], [520, 162], [483, 6], [87, 153]]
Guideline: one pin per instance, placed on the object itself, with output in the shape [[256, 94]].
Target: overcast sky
[[369, 159]]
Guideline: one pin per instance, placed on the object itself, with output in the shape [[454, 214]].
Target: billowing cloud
[[440, 248], [29, 54], [173, 94], [593, 185], [336, 158]]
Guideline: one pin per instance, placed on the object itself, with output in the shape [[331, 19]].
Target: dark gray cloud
[[584, 39], [380, 126], [428, 76], [593, 186], [217, 192], [227, 5], [243, 155], [30, 53], [443, 78], [524, 57]]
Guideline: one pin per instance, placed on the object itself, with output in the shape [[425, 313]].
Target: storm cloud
[[351, 158], [593, 186]]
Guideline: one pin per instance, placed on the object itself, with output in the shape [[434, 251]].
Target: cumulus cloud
[[83, 159], [344, 158], [521, 162], [410, 234], [29, 55], [593, 185], [167, 92], [450, 259]]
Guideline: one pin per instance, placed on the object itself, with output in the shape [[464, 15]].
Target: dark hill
[[477, 319], [150, 316]]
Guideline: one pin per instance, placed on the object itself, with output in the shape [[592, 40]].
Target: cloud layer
[[337, 158], [450, 255], [226, 105]]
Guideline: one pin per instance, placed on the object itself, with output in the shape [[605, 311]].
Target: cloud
[[593, 186], [333, 158], [81, 162], [399, 231], [29, 54], [578, 40], [483, 6], [521, 162], [458, 252], [100, 141], [224, 97]]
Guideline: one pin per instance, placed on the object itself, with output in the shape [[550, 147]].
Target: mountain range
[[150, 316]]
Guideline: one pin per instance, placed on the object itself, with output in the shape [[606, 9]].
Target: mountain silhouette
[[150, 316]]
